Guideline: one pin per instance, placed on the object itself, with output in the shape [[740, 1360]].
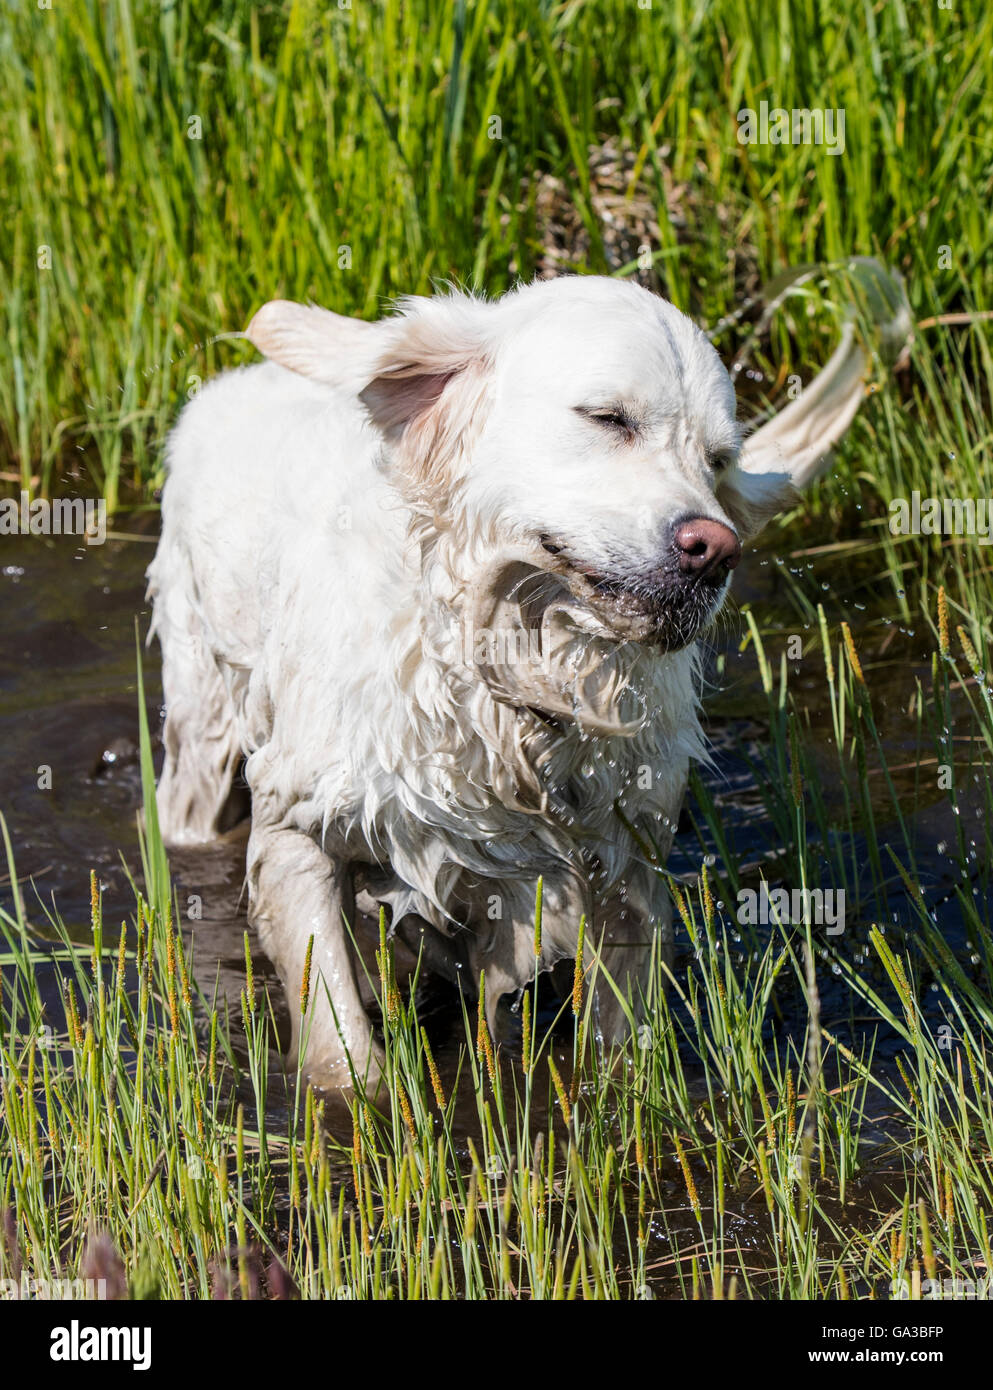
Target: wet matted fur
[[434, 578]]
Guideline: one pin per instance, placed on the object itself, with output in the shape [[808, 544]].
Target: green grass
[[370, 128], [714, 1158]]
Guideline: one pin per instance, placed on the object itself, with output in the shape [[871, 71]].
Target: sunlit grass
[[715, 1156], [182, 164]]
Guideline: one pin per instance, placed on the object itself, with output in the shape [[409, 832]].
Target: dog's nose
[[706, 548]]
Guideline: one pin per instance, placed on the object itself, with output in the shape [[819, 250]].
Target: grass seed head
[[944, 644]]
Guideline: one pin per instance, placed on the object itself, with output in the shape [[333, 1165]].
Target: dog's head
[[577, 438]]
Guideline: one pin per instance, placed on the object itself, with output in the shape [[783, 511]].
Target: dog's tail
[[799, 439]]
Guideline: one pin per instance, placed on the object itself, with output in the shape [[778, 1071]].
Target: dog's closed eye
[[720, 459], [610, 417]]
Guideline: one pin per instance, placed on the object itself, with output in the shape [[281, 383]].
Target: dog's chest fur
[[467, 789]]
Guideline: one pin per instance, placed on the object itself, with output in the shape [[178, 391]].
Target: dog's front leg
[[297, 891]]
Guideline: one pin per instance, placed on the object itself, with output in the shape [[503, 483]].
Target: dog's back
[[270, 502]]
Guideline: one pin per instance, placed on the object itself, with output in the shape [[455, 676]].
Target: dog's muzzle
[[667, 605], [548, 633]]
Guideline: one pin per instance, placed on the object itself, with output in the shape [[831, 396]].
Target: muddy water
[[69, 780], [68, 617]]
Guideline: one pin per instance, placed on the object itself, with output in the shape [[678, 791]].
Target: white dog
[[440, 579]]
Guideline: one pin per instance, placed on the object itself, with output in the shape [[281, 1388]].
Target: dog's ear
[[404, 363], [428, 391], [420, 374], [315, 343], [798, 441], [434, 342], [751, 500], [793, 448]]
